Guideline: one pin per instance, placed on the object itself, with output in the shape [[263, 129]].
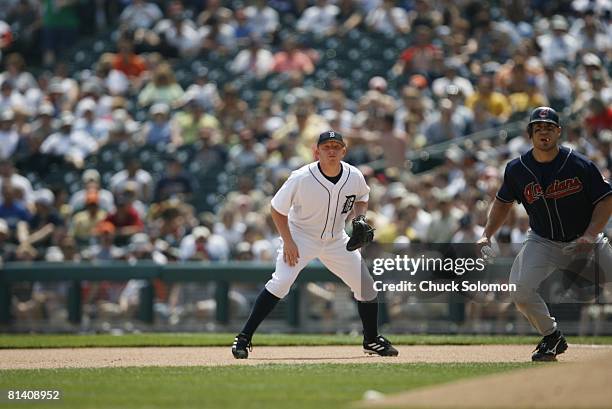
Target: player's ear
[[315, 152]]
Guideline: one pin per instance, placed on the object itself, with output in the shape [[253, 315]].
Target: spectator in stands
[[70, 145], [105, 249], [46, 222], [9, 138], [514, 75], [175, 183], [26, 16], [556, 86], [21, 185], [528, 99], [158, 129], [451, 77], [179, 35], [418, 58], [558, 46], [171, 222], [254, 61], [10, 97], [140, 248], [7, 249], [291, 58], [319, 19], [262, 19], [218, 36], [163, 88], [248, 153], [213, 10], [446, 125], [133, 172], [203, 90], [84, 223], [394, 143], [495, 102], [139, 14], [15, 214], [60, 22], [91, 183], [468, 231], [599, 117], [194, 245], [242, 29], [341, 108], [592, 36], [211, 153], [413, 105], [303, 126], [42, 127], [444, 221], [125, 218], [16, 74], [233, 111], [192, 118], [482, 119], [128, 62], [388, 19], [600, 88], [88, 122]]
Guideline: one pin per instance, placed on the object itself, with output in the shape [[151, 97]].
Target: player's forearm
[[361, 208], [282, 225], [600, 217], [497, 216]]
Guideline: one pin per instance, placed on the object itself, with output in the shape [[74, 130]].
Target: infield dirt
[[215, 356]]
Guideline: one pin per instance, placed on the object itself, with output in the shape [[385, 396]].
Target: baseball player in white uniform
[[310, 212]]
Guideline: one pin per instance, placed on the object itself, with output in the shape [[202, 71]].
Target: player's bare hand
[[291, 254], [483, 246], [582, 245], [483, 241]]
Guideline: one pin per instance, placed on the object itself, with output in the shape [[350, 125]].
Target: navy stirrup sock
[[265, 302], [368, 311]]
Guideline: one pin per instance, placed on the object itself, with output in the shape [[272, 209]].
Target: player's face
[[331, 152], [545, 135]]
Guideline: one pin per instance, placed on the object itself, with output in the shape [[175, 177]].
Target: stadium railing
[[222, 274]]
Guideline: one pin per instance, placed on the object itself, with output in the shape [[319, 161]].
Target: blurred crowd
[[465, 68]]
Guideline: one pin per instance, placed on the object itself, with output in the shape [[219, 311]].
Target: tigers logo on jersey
[[348, 204], [556, 190]]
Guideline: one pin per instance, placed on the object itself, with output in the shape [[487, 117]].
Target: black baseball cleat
[[379, 346], [550, 346], [241, 347]]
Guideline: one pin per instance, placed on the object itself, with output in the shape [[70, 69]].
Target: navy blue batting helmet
[[543, 114]]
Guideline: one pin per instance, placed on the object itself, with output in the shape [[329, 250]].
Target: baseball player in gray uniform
[[310, 212], [569, 204]]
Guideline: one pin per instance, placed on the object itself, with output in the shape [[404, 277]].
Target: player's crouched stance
[[310, 212], [569, 203]]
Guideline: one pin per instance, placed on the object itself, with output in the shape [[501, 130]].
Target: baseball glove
[[362, 234]]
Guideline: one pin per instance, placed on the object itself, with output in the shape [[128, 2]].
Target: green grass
[[264, 386], [215, 339]]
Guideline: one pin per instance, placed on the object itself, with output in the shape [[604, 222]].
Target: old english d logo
[[348, 204]]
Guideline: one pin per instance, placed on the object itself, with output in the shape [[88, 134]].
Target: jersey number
[[348, 204]]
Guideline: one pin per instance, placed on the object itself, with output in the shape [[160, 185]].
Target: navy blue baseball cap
[[330, 136]]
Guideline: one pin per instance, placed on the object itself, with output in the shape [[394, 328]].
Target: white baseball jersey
[[317, 210], [316, 207]]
